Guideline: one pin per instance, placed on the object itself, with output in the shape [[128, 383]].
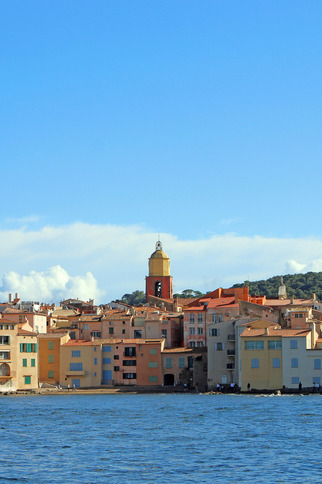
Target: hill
[[297, 285]]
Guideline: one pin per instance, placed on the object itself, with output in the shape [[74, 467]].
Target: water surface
[[178, 438]]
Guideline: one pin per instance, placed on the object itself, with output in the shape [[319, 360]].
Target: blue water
[[160, 439]]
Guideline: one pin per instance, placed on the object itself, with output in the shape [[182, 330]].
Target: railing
[[231, 352], [231, 337], [230, 366]]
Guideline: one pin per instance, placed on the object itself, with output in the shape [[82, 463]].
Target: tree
[[134, 299]]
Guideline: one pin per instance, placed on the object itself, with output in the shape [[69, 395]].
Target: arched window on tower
[[158, 289]]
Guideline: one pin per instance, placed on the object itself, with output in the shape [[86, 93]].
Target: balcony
[[230, 366], [75, 373], [231, 352], [231, 337]]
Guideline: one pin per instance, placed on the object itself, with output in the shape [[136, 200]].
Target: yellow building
[[81, 364], [261, 356], [18, 356]]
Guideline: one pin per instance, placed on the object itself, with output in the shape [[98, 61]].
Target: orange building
[[49, 356]]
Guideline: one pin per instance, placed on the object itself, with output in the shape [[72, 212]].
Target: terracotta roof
[[286, 302], [221, 301], [52, 335], [201, 349], [75, 342], [274, 332], [27, 333]]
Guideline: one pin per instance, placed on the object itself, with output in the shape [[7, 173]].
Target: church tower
[[159, 282]]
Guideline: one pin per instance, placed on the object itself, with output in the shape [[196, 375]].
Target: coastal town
[[225, 341]]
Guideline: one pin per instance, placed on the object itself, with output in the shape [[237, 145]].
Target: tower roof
[[159, 253]]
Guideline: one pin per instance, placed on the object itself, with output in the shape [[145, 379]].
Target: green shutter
[[28, 347], [36, 348], [33, 362], [21, 347], [24, 362]]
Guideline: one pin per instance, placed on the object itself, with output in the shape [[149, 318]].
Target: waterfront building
[[18, 356], [49, 356], [273, 357], [81, 364], [185, 366], [37, 321]]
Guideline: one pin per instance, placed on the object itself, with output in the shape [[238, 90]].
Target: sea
[[160, 438]]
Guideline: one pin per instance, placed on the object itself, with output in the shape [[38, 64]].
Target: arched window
[[158, 289], [4, 369], [294, 363]]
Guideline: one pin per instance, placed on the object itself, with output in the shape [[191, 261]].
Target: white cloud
[[105, 261], [51, 285]]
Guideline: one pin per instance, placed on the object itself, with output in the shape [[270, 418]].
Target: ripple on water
[[159, 438]]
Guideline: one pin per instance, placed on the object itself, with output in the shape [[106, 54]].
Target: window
[[50, 358], [168, 362], [276, 363], [106, 349], [85, 327], [153, 364], [153, 379], [96, 334], [1, 326], [254, 345], [317, 364], [95, 361], [164, 333], [192, 344], [130, 351], [28, 348], [110, 330], [50, 374], [95, 373], [116, 357], [95, 349], [293, 344], [153, 351], [4, 340], [214, 318], [199, 318], [191, 330], [107, 361], [75, 366], [123, 331], [214, 332], [27, 380], [255, 363], [190, 362], [275, 345], [294, 363], [181, 362], [12, 327], [295, 380], [220, 318], [199, 343], [24, 362], [33, 362], [129, 362], [191, 318], [138, 333], [219, 346], [129, 376], [200, 330], [51, 345], [316, 380], [4, 355], [76, 353], [116, 368]]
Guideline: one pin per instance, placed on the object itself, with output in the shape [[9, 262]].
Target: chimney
[[16, 296], [10, 298]]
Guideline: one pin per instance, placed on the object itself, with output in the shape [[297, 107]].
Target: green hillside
[[297, 285]]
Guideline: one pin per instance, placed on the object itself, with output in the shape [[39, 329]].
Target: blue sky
[[198, 120]]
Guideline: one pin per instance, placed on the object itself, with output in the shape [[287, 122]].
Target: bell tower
[[159, 282]]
